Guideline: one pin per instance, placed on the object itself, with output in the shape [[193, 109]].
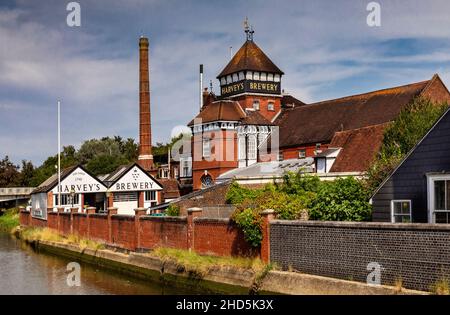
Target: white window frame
[[151, 196], [430, 194], [392, 209], [242, 148], [252, 147], [206, 146], [258, 103], [303, 155]]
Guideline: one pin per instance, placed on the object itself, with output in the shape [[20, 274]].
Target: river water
[[24, 271]]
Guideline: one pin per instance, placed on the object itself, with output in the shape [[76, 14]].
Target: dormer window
[[256, 104]]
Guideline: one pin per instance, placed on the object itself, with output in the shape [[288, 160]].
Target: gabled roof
[[170, 188], [250, 57], [52, 181], [410, 152], [318, 122], [358, 148], [120, 171]]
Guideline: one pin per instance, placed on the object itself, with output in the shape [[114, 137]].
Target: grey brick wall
[[418, 254]]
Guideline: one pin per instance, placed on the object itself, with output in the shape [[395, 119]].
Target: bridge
[[10, 196]]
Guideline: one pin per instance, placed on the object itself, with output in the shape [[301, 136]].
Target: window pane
[[441, 217], [405, 208], [439, 195], [397, 208]]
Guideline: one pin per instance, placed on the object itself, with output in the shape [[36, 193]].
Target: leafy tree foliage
[[401, 136], [9, 174]]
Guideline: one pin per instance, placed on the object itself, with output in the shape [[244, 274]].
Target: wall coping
[[80, 214], [64, 213], [366, 225], [212, 220], [167, 218]]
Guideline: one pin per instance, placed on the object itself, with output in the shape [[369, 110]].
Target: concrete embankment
[[220, 280]]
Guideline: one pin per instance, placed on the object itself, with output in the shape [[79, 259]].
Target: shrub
[[249, 220], [343, 199], [173, 210]]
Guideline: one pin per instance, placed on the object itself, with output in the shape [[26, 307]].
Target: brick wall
[[123, 231], [80, 224], [64, 223], [24, 217], [418, 254], [221, 238], [206, 236], [163, 231], [98, 227], [52, 220]]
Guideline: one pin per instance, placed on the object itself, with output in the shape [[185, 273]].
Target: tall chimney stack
[[145, 159]]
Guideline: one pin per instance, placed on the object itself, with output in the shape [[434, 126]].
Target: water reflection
[[23, 271]]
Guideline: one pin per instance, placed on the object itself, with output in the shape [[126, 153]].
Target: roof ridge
[[364, 127], [361, 94]]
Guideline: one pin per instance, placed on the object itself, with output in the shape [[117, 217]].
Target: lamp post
[[72, 195]]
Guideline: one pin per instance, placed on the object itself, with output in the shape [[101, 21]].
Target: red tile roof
[[358, 148], [220, 110], [170, 188], [250, 57], [318, 122]]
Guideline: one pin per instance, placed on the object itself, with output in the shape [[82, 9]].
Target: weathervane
[[248, 29]]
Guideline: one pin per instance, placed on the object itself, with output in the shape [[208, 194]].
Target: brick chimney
[[145, 159]]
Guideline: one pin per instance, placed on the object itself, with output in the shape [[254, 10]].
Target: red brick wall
[[80, 224], [123, 231], [98, 227], [165, 232], [38, 222], [24, 218], [52, 220], [221, 238], [64, 223]]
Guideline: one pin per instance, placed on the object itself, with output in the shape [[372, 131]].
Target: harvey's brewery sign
[[78, 181], [135, 180], [251, 87]]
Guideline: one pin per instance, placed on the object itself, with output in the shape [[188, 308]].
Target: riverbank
[[209, 274], [9, 220]]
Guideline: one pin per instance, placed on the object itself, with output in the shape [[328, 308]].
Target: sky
[[326, 49]]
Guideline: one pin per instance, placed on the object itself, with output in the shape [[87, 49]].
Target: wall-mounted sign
[[251, 86], [135, 180], [80, 182]]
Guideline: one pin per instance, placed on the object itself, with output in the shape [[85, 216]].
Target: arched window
[[252, 147], [206, 181]]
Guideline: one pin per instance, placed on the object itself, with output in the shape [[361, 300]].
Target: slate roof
[[52, 181], [250, 57], [318, 122], [269, 169]]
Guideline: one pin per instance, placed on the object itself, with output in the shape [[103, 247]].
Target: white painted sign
[[135, 180], [80, 182]]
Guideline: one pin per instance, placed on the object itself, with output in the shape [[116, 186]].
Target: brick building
[[254, 121]]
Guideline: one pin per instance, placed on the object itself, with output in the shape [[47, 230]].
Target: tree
[[26, 174], [9, 174]]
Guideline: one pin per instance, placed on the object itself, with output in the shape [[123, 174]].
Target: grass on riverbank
[[44, 234], [200, 264], [9, 220]]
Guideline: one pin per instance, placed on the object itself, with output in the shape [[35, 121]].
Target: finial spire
[[248, 29]]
